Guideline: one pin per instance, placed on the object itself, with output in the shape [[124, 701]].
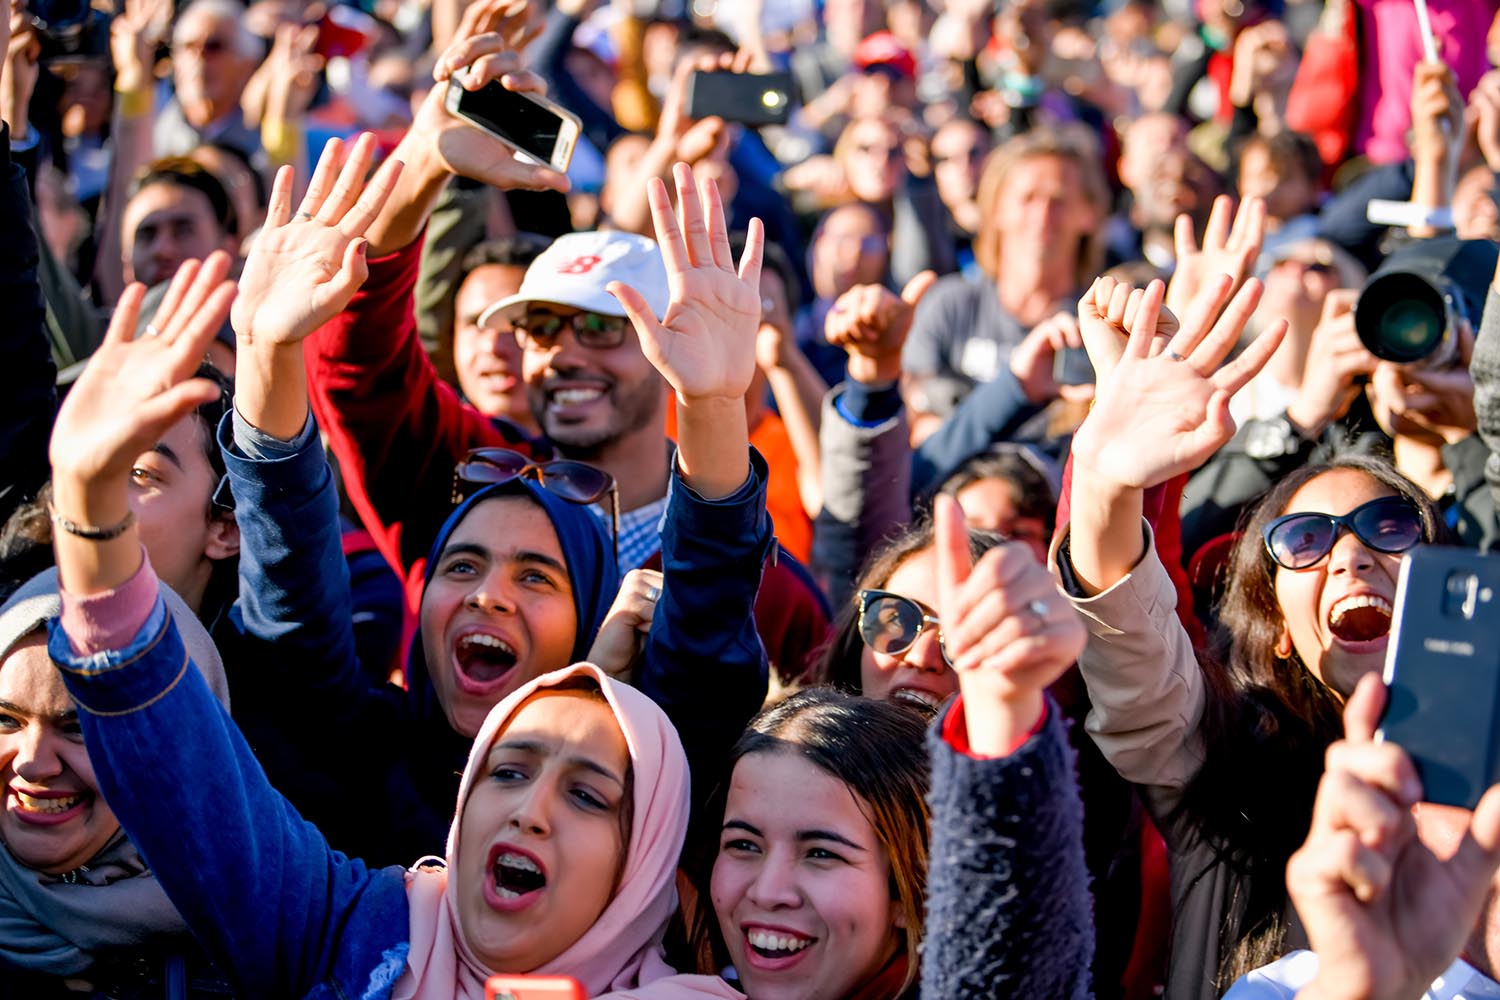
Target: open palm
[[135, 388], [303, 270], [1164, 407], [705, 344]]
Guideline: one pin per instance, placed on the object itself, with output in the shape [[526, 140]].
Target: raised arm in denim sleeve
[[704, 663], [991, 413], [294, 581], [258, 884]]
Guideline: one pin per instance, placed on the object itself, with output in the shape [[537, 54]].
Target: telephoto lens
[[1409, 309]]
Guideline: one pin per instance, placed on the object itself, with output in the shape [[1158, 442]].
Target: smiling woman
[[1227, 748], [75, 896], [820, 894]]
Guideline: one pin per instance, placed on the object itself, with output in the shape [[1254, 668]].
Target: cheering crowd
[[942, 542]]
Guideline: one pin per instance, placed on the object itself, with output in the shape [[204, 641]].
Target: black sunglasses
[[890, 623], [540, 330], [574, 482], [1300, 541]]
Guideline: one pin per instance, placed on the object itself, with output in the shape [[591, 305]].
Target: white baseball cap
[[575, 268]]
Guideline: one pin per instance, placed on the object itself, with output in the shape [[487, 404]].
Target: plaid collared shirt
[[640, 532]]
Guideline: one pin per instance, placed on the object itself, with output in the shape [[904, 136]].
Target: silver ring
[[652, 593], [152, 331], [1039, 608], [303, 215], [1175, 356]]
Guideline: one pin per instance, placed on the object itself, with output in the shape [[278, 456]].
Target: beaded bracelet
[[91, 532]]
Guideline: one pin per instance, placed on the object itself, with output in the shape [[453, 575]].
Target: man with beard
[[398, 431]]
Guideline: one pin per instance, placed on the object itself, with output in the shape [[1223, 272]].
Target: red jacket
[[397, 431]]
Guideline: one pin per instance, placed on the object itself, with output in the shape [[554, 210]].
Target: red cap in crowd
[[884, 50]]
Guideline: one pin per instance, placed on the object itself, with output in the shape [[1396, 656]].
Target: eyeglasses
[[540, 330], [890, 623], [1300, 541], [206, 48], [574, 482]]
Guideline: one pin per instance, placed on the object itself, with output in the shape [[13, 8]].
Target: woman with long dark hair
[[1228, 751]]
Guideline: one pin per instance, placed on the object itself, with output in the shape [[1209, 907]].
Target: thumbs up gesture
[[1009, 632]]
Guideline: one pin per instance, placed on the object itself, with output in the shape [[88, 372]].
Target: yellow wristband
[[281, 140], [133, 103]]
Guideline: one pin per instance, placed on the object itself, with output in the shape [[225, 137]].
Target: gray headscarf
[[55, 926]]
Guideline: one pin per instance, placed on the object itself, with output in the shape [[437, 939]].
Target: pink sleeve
[[99, 623]]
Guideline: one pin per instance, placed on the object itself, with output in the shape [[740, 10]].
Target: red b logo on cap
[[580, 265]]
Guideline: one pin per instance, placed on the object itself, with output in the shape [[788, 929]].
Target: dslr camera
[[71, 30], [1410, 308]]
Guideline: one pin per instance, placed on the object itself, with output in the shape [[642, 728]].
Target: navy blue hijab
[[587, 552]]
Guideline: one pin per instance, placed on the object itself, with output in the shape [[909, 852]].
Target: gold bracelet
[[91, 532]]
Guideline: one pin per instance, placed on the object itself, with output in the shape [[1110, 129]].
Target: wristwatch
[[1273, 438]]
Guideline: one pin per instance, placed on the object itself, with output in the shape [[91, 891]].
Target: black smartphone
[[1071, 366], [748, 98], [1442, 667], [541, 131]]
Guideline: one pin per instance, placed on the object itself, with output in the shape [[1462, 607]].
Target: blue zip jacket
[[282, 913]]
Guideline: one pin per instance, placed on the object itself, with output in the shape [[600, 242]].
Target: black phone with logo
[[753, 99], [1442, 669]]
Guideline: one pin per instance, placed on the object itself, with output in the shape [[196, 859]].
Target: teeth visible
[[518, 861], [567, 396], [31, 804], [766, 941], [480, 639], [925, 698], [1348, 604], [505, 893]]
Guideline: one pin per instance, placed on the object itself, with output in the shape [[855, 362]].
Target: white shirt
[[1283, 978]]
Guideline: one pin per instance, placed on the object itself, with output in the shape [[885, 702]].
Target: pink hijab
[[621, 955]]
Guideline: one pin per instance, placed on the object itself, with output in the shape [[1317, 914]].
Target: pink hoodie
[[1391, 47]]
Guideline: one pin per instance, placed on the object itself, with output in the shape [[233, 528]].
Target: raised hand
[[1106, 314], [619, 640], [1007, 629], [134, 389], [1034, 358], [133, 36], [1336, 362], [487, 47], [1164, 407], [1483, 115], [1227, 249], [303, 269], [1437, 111], [1385, 914], [871, 323], [705, 345]]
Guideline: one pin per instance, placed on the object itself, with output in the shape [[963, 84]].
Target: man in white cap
[[398, 431], [591, 389]]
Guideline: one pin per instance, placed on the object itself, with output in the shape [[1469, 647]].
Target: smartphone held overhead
[[540, 131], [1443, 672], [753, 99]]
